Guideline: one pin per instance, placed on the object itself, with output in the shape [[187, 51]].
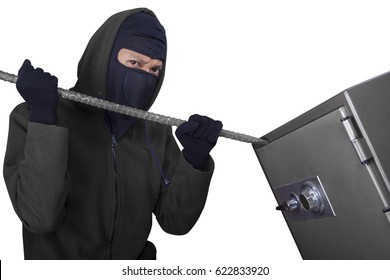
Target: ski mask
[[144, 34]]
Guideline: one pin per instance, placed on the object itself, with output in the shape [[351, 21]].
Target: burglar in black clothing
[[84, 181]]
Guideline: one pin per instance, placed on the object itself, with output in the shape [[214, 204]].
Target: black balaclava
[[144, 34]]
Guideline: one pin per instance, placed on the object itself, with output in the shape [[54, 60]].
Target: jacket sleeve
[[35, 167], [182, 201]]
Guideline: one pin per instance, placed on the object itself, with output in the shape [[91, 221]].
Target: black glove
[[39, 90], [198, 136]]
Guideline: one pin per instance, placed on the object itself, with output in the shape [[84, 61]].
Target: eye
[[156, 70], [133, 62]]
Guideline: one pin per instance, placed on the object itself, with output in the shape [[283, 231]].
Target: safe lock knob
[[290, 205], [311, 199], [304, 200]]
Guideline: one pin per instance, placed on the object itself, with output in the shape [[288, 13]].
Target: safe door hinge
[[359, 143]]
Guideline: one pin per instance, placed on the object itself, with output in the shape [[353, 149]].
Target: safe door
[[328, 180]]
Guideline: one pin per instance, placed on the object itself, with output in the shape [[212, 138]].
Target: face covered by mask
[[133, 87]]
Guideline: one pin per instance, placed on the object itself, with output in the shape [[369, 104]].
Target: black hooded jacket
[[82, 195]]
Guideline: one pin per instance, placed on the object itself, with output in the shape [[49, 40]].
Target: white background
[[252, 64]]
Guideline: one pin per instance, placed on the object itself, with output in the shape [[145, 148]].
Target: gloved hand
[[39, 90], [198, 136]]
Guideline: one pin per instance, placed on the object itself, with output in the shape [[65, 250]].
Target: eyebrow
[[159, 65]]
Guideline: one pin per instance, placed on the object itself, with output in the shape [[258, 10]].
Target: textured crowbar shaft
[[104, 104]]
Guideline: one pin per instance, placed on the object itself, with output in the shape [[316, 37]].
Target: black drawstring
[[155, 158]]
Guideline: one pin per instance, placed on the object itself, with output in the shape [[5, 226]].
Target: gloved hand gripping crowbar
[[133, 112]]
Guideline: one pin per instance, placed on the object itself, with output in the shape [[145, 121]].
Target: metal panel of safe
[[329, 170]]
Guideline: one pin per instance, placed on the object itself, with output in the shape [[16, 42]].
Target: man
[[84, 181]]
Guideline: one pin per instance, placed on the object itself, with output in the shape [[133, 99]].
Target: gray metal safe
[[329, 170]]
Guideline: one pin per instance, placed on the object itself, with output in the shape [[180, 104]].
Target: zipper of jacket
[[115, 221]]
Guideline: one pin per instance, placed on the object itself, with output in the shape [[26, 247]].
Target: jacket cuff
[[47, 130], [208, 168]]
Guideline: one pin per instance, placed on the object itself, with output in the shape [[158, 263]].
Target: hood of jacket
[[93, 66]]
